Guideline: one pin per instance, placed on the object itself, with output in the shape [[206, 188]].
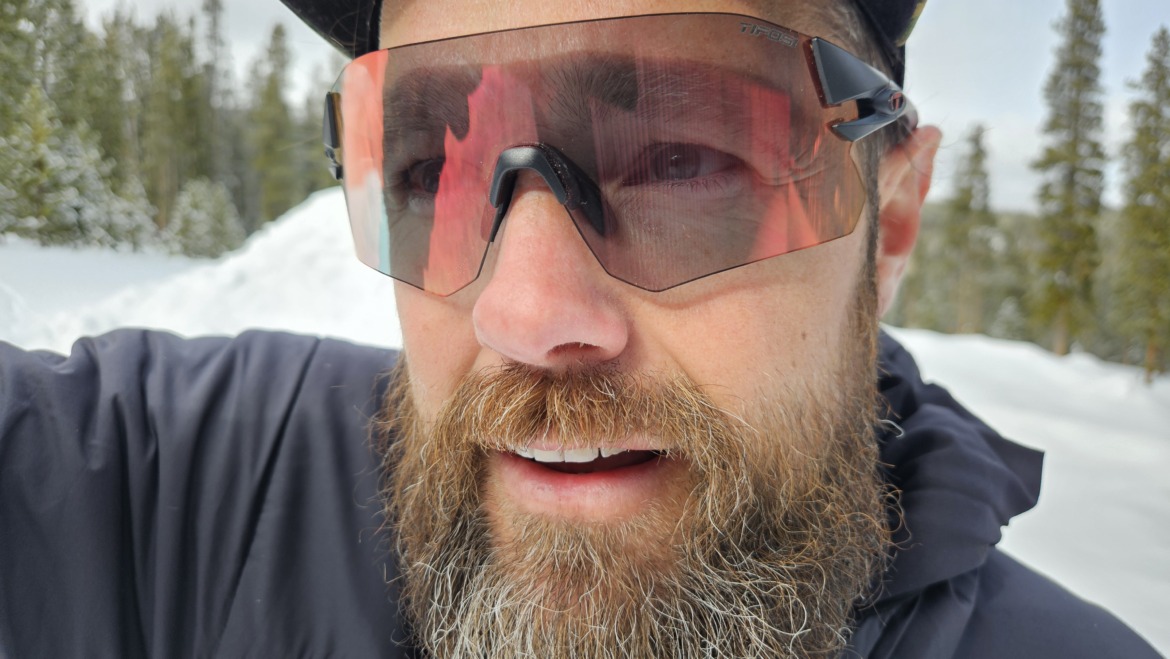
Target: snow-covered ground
[[298, 273], [1102, 527]]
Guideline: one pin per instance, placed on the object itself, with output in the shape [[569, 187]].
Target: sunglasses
[[680, 145]]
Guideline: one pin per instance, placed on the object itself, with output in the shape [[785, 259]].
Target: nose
[[547, 302]]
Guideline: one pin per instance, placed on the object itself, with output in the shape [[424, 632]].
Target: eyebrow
[[661, 89], [623, 80], [428, 99], [431, 98], [611, 78], [577, 89]]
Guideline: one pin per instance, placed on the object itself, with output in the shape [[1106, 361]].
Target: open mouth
[[587, 484], [587, 460]]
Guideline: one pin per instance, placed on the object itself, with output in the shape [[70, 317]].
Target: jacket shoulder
[[192, 497], [1019, 613]]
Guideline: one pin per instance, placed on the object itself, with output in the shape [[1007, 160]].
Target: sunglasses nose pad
[[573, 188]]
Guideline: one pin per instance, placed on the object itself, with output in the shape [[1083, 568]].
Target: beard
[[775, 530]]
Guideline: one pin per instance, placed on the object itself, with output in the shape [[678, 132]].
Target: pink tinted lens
[[707, 157]]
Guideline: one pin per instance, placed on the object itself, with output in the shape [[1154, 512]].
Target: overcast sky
[[969, 61]]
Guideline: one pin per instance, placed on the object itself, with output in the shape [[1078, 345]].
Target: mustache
[[513, 405]]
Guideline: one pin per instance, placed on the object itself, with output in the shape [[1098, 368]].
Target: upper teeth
[[567, 455]]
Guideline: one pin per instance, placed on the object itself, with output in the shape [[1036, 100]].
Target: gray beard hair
[[783, 530]]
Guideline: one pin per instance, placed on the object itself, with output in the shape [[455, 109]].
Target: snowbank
[[298, 273], [13, 309]]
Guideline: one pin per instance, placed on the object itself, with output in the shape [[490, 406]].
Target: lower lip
[[599, 496]]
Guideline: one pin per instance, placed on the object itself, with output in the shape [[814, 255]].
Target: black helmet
[[352, 25]]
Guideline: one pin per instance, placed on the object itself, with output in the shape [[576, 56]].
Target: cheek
[[439, 344], [783, 322]]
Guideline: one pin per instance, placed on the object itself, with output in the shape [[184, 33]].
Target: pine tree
[[225, 132], [172, 146], [28, 162], [205, 223], [85, 200], [1014, 243], [17, 52], [1143, 277], [46, 42], [1072, 165], [969, 225], [924, 300], [54, 184], [275, 143], [216, 74], [241, 179], [68, 64], [196, 117], [945, 287], [118, 117]]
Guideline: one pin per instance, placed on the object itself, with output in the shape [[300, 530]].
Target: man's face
[[741, 493]]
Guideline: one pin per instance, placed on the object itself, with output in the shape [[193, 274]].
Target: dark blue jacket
[[217, 498]]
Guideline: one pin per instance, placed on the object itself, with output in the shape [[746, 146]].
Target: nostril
[[575, 348]]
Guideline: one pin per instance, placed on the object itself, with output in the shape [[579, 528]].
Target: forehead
[[412, 21]]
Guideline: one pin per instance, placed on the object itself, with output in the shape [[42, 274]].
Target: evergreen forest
[[1077, 275], [139, 134]]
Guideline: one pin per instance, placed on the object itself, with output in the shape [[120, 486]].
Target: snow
[[296, 274], [1102, 527], [50, 280]]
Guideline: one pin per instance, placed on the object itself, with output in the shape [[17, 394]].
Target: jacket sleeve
[[146, 481]]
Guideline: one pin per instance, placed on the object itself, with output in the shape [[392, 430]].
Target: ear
[[903, 181]]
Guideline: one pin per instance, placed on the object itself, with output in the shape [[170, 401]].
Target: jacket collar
[[959, 481]]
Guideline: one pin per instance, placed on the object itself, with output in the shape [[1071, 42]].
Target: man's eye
[[665, 163], [423, 176]]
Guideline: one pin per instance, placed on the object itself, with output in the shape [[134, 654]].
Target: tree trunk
[[1151, 361], [1060, 339]]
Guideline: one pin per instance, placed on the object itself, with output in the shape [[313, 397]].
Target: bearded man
[[640, 251]]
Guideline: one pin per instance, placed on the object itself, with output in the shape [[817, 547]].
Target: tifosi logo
[[779, 36]]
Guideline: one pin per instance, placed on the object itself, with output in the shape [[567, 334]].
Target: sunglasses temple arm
[[843, 77], [331, 133]]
